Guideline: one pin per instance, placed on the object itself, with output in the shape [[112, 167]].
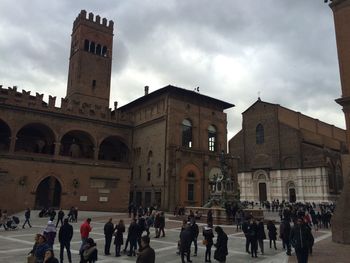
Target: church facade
[[159, 149], [286, 155]]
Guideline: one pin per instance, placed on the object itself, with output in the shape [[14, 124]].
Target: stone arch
[[48, 193], [5, 136], [290, 162], [77, 144], [190, 184], [261, 185], [35, 138], [112, 148]]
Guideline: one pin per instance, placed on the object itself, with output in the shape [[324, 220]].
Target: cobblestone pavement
[[15, 244]]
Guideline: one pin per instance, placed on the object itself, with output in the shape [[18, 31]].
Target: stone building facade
[[286, 155], [158, 149]]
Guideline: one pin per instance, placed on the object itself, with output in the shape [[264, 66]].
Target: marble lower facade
[[293, 185]]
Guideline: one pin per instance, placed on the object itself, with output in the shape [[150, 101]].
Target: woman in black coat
[[261, 235], [221, 245], [118, 239], [208, 241], [272, 233]]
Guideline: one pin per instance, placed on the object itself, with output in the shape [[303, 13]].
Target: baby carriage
[[12, 222]]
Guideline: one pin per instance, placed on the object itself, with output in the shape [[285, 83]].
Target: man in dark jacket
[[245, 226], [64, 237], [186, 237], [108, 231], [195, 233], [301, 238], [60, 217], [253, 237], [146, 253], [133, 233], [261, 235], [285, 235], [27, 217]]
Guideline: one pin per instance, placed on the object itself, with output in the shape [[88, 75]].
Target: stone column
[[12, 144], [96, 152], [57, 148]]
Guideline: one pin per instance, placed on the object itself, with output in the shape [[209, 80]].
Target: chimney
[[146, 90]]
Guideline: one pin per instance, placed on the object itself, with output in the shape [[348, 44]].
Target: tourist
[[245, 227], [50, 233], [118, 237], [60, 217], [157, 224], [146, 254], [272, 233], [50, 257], [284, 235], [208, 241], [85, 229], [221, 245], [195, 233], [65, 235], [133, 233], [184, 225], [301, 238], [161, 224], [108, 230], [89, 252], [261, 236], [253, 237], [40, 249], [210, 217], [186, 237], [31, 255], [27, 218]]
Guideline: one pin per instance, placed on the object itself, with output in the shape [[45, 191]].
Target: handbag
[[31, 258], [205, 242]]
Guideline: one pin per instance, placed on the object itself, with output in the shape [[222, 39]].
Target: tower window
[[94, 83], [86, 45], [260, 134], [212, 138], [104, 51], [186, 133], [98, 50], [92, 47]]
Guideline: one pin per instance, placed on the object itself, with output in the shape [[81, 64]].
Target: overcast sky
[[233, 50]]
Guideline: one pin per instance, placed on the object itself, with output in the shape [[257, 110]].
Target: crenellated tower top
[[92, 21]]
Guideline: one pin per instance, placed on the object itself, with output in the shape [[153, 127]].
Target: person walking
[[221, 245], [253, 237], [208, 241], [85, 229], [261, 236], [195, 233], [300, 238], [108, 230], [133, 233], [50, 233], [284, 235], [146, 254], [245, 227], [272, 233], [27, 218], [186, 237], [118, 237], [65, 235], [60, 217], [161, 224]]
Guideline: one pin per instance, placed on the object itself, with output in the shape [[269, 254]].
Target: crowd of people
[[297, 221]]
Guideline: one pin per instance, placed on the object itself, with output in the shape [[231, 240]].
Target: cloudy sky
[[233, 50]]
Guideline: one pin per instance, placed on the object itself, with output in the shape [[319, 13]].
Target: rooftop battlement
[[83, 18], [11, 97]]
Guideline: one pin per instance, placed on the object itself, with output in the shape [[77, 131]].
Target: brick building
[[158, 149], [286, 155]]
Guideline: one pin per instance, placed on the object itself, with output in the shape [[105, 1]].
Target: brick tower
[[90, 61], [341, 218]]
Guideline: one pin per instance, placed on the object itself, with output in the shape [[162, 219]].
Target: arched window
[[92, 47], [86, 45], [98, 50], [104, 51], [212, 138], [260, 134], [186, 133], [149, 158]]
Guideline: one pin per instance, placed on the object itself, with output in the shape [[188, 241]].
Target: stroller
[[12, 222]]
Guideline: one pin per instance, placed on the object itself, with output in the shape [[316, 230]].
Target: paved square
[[15, 244]]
